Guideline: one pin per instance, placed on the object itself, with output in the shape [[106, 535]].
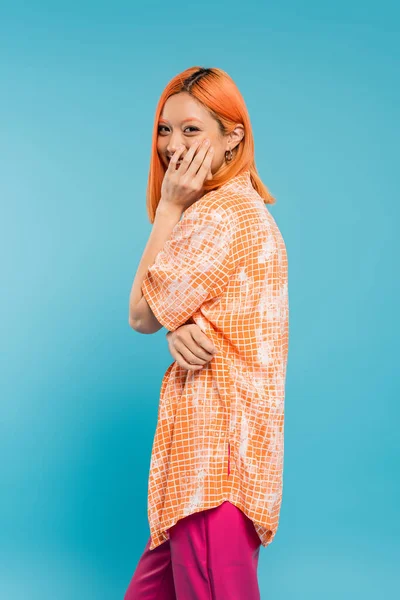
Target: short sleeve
[[194, 266]]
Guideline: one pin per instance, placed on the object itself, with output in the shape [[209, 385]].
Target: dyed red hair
[[218, 93]]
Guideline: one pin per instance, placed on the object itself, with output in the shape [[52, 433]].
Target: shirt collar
[[242, 179]]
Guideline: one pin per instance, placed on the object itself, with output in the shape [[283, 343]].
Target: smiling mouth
[[177, 164]]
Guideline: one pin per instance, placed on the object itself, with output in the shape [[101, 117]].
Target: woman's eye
[[160, 127]]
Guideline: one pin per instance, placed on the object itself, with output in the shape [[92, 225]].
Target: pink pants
[[211, 555]]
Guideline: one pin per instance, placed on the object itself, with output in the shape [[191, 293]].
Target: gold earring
[[230, 155]]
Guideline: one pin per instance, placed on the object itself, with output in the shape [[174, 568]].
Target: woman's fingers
[[201, 163], [172, 163], [182, 362], [187, 160], [184, 184], [202, 341], [205, 168], [190, 346], [191, 356]]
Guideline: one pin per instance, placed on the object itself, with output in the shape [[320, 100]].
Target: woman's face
[[182, 121]]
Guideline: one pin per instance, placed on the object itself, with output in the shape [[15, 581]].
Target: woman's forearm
[[165, 220]]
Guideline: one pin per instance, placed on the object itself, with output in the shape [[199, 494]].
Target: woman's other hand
[[182, 186], [190, 347]]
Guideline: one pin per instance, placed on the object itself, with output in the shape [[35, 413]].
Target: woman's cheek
[[213, 165]]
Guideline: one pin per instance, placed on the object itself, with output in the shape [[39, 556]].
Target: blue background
[[79, 389]]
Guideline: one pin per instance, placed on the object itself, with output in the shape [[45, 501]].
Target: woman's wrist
[[168, 210]]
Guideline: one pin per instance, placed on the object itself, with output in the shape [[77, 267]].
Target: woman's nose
[[174, 144]]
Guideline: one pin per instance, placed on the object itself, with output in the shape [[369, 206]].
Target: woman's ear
[[236, 135]]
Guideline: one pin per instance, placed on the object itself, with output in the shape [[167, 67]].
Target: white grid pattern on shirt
[[225, 265]]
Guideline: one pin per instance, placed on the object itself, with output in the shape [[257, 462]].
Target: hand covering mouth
[[177, 164]]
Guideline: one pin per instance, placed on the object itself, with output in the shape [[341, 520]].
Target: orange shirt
[[220, 430]]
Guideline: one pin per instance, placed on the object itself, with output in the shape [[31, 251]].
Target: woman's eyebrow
[[184, 120]]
